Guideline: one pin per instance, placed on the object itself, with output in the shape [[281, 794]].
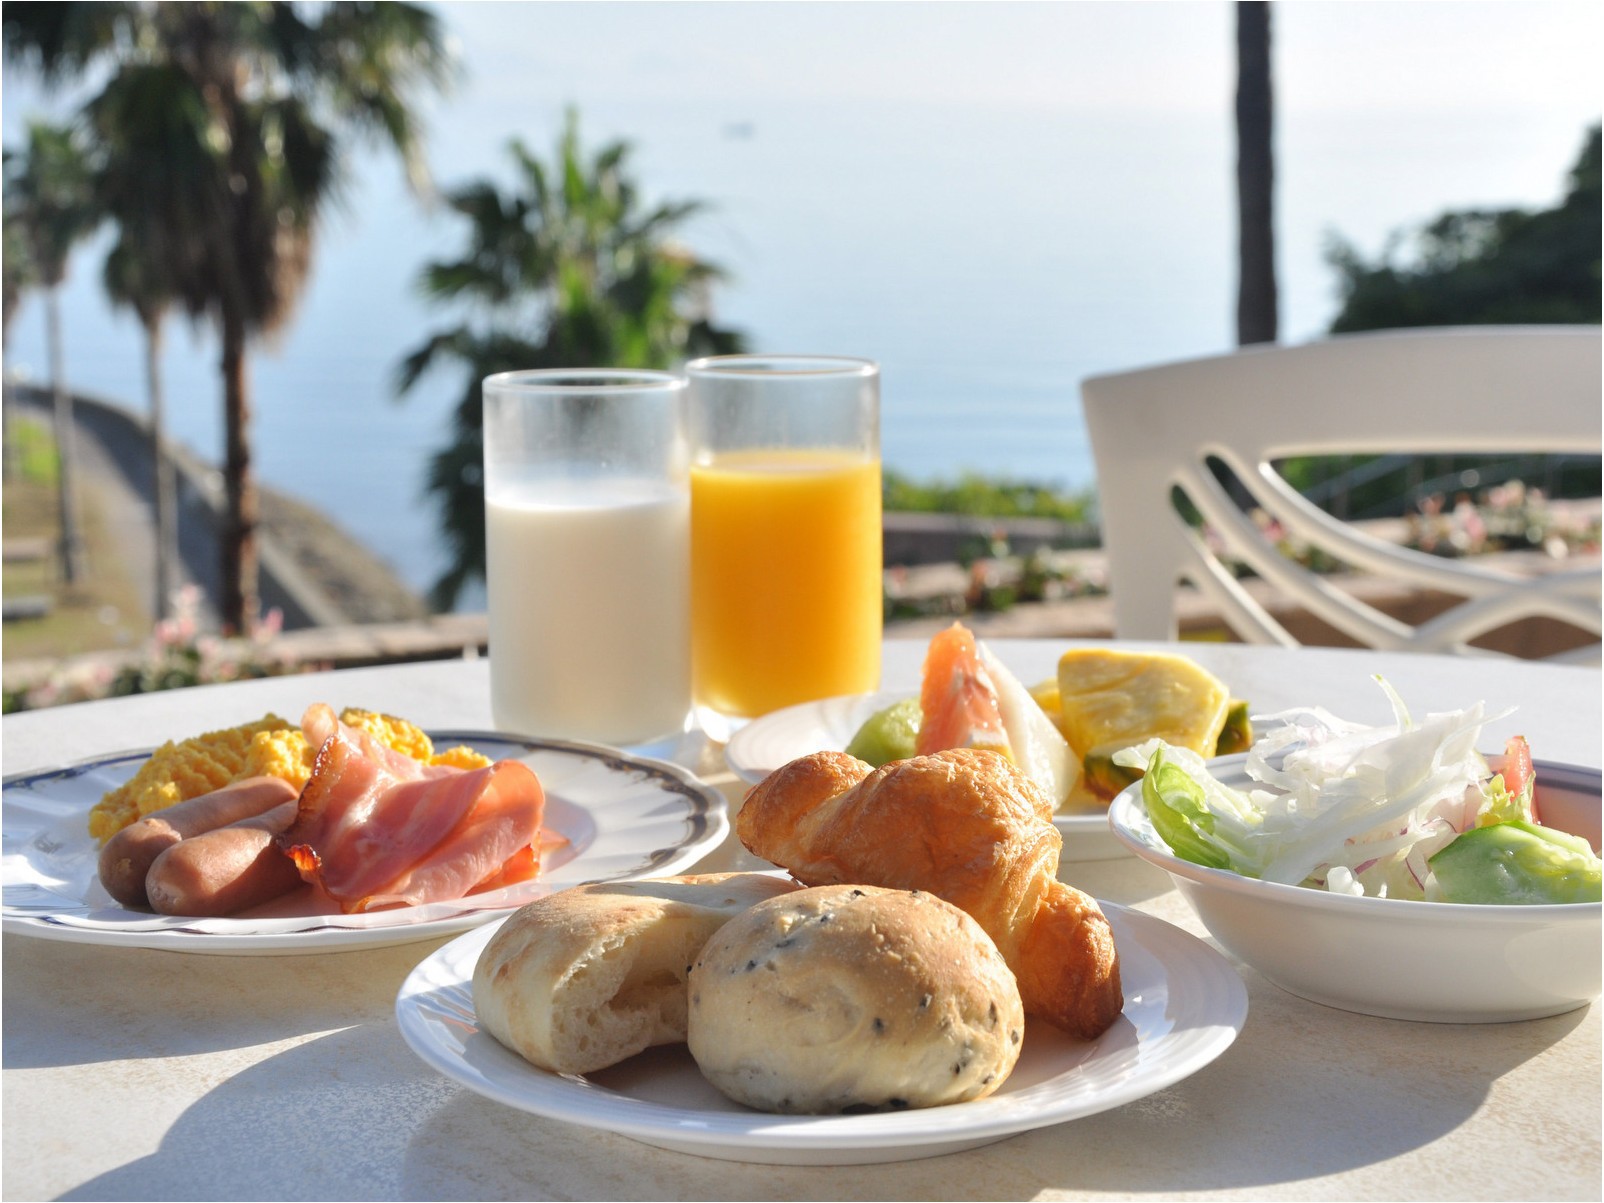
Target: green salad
[[1406, 810]]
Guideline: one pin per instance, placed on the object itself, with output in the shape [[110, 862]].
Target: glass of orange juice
[[786, 565]]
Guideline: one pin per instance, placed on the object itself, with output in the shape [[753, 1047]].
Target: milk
[[589, 609]]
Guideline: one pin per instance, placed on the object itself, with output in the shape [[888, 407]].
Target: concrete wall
[[944, 538]]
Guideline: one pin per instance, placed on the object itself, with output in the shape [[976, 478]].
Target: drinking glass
[[786, 566], [587, 549]]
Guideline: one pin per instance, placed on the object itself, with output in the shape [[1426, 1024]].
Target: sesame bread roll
[[853, 998]]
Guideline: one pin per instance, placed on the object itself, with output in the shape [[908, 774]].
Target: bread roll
[[968, 825], [853, 998], [581, 979]]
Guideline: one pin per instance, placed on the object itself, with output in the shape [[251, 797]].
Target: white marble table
[[136, 1074]]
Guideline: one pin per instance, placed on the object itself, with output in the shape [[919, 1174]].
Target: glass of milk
[[587, 549]]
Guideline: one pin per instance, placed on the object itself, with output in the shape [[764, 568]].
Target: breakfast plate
[[621, 815], [766, 743], [1184, 1005]]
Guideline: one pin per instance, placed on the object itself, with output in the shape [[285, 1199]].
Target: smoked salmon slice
[[959, 703], [969, 699]]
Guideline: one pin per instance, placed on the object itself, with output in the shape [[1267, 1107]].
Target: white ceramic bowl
[[1437, 961]]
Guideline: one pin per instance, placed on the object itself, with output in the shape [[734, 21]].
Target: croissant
[[965, 825]]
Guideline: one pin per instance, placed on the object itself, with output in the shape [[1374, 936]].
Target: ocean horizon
[[989, 247]]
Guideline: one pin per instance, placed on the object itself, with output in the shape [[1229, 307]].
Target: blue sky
[[1484, 58], [1331, 55], [995, 200], [1519, 78]]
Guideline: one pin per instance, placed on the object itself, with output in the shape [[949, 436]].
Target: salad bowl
[[1396, 958]]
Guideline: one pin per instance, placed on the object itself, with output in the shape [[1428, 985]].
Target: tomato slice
[[1518, 772]]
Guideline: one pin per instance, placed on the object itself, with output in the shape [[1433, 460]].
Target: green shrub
[[980, 496]]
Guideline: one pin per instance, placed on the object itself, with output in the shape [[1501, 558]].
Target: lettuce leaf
[[1353, 808], [1517, 863]]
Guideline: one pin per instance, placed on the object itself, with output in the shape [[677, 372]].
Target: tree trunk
[[72, 547], [240, 601], [1256, 301], [8, 435], [8, 439], [161, 477]]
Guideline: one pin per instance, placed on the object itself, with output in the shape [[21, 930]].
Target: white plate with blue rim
[[620, 815]]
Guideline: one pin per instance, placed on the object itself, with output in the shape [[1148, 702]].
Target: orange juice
[[786, 578]]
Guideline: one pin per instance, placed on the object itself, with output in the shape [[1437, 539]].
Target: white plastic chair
[[1467, 390]]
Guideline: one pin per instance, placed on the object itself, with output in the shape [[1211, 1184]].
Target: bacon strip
[[376, 828]]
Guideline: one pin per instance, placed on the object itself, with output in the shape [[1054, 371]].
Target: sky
[[993, 199], [1098, 53], [1501, 90], [1518, 79]]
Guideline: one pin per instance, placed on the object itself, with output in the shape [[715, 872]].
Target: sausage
[[126, 859], [225, 870]]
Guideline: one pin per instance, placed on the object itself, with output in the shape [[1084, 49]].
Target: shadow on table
[[1304, 1092], [81, 1004], [384, 1126], [285, 1128], [1286, 1115], [1332, 1095]]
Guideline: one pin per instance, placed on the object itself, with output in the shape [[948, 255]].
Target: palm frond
[[459, 343], [62, 41], [605, 285]]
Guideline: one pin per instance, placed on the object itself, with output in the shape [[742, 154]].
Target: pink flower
[[268, 626]]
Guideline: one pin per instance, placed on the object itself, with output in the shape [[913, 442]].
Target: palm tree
[[133, 279], [142, 271], [568, 269], [16, 267], [49, 198], [1255, 177], [249, 109]]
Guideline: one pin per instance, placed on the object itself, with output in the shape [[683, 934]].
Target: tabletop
[[143, 1074]]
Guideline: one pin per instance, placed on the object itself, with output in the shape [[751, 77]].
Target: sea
[[990, 249]]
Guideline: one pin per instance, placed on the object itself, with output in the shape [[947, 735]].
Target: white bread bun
[[853, 998], [581, 979]]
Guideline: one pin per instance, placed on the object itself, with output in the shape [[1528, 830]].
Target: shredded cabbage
[[1349, 808]]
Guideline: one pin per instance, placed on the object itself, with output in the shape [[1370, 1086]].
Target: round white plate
[[766, 743], [1184, 1004], [623, 816]]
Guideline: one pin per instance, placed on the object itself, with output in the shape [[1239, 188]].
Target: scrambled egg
[[401, 735], [269, 747]]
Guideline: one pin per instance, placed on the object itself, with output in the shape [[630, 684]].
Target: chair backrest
[[1486, 389]]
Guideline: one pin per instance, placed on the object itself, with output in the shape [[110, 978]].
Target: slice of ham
[[376, 828]]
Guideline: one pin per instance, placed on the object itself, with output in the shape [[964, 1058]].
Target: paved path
[[116, 472], [310, 570]]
